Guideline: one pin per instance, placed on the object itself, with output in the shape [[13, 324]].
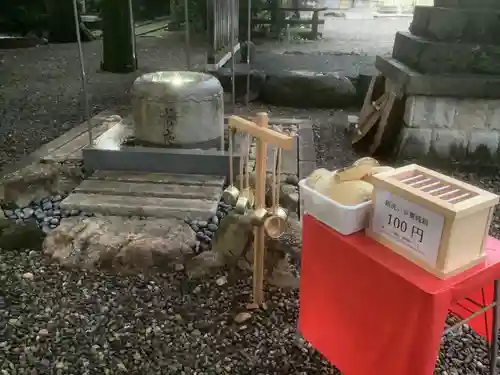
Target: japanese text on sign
[[408, 224]]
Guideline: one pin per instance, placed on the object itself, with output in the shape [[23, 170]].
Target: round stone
[[202, 224], [178, 108], [212, 227]]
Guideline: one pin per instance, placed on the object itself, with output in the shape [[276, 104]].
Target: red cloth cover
[[369, 310]]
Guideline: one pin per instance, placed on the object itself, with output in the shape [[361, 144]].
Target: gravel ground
[[53, 321], [57, 322], [40, 88]]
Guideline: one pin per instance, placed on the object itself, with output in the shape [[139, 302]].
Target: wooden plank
[[73, 148], [386, 111], [375, 90], [80, 130], [267, 135], [371, 120]]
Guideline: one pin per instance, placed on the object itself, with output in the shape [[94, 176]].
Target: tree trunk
[[62, 23], [118, 37]]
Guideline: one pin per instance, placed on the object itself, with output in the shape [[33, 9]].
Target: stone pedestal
[[451, 128], [448, 68]]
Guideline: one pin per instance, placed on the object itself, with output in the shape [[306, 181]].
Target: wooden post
[[264, 136], [262, 121]]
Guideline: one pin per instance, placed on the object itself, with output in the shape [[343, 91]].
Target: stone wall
[[451, 128]]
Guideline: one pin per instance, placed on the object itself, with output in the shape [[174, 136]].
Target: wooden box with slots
[[431, 219]]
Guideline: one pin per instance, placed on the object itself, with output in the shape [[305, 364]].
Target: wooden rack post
[[264, 136]]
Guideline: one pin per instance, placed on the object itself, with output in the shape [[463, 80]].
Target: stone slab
[[459, 114], [431, 57], [307, 151], [470, 147], [468, 4], [345, 65], [410, 82], [158, 178], [306, 168], [288, 162], [458, 25], [150, 159], [147, 194], [135, 189], [141, 206]]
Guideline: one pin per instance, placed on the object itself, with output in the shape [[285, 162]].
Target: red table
[[370, 311]]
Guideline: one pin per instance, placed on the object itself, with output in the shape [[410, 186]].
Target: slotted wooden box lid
[[435, 191]]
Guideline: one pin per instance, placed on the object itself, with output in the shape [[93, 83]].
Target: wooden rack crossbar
[[264, 136], [269, 136]]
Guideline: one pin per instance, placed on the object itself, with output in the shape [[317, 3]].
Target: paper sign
[[408, 225]]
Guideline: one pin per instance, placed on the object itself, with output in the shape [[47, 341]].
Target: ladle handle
[[278, 184], [231, 170], [275, 182], [247, 170], [242, 165]]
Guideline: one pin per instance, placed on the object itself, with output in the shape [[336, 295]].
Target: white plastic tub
[[344, 219]]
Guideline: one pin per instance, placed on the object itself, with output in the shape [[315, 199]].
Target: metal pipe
[[231, 10], [249, 40], [87, 111], [494, 331], [132, 31], [188, 39]]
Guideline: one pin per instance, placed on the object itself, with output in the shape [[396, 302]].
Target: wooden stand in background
[[380, 118]]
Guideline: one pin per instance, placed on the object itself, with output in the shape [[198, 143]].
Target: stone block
[[306, 167], [480, 26], [414, 143], [449, 144], [483, 146], [289, 159], [307, 150], [493, 121], [471, 114], [432, 57], [468, 4], [410, 82], [417, 111], [430, 112]]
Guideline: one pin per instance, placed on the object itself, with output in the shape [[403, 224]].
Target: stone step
[[457, 25], [134, 189], [147, 194], [426, 56], [158, 178], [468, 4], [116, 205]]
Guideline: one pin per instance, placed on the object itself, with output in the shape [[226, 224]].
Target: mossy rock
[[20, 236]]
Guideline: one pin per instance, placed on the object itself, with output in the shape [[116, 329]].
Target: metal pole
[[494, 332], [132, 30], [232, 17], [188, 40], [87, 112], [249, 40]]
